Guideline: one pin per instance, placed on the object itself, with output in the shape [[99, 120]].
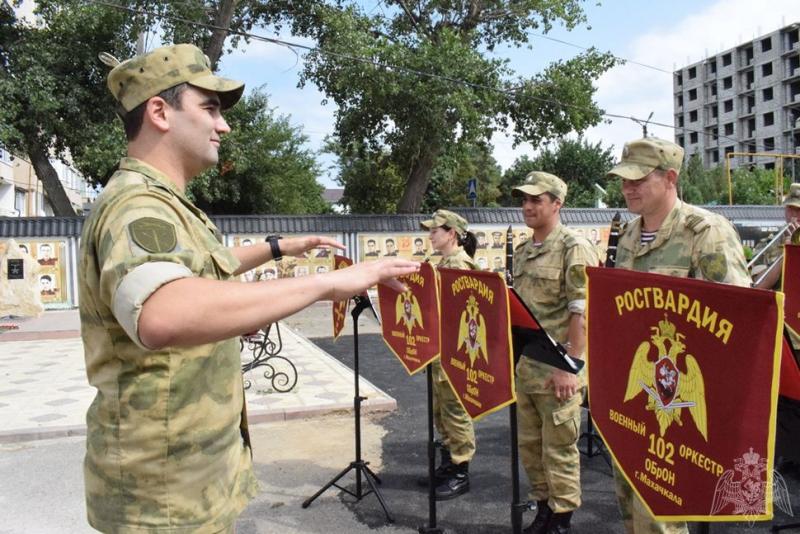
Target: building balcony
[[792, 50]]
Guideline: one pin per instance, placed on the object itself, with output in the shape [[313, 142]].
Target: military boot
[[559, 523], [442, 472], [456, 484], [541, 522]]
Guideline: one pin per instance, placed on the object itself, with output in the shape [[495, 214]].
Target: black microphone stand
[[361, 303]]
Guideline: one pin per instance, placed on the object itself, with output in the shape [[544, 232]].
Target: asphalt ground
[[486, 508]]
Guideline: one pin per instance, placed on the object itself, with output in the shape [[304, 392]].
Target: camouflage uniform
[[691, 242], [166, 446], [549, 278], [452, 421]]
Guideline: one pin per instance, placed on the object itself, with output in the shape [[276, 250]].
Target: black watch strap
[[274, 246]]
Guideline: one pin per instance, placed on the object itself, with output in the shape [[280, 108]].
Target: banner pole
[[431, 528], [517, 507]]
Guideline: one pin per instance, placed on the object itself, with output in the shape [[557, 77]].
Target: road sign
[[472, 189]]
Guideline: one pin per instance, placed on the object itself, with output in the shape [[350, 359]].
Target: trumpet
[[794, 238]]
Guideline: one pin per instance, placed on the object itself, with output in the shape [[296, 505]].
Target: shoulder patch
[[713, 266], [577, 275], [153, 235]]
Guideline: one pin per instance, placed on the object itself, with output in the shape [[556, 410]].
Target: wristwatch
[[274, 246]]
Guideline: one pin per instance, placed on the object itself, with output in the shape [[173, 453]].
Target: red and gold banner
[[790, 374], [410, 320], [340, 306], [476, 339], [791, 286], [683, 385]]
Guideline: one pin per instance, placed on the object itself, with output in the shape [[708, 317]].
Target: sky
[[665, 35]]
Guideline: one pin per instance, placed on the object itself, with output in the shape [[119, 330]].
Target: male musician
[[791, 212], [167, 447], [549, 276], [673, 238]]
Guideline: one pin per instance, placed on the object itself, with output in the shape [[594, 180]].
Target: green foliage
[[450, 178], [464, 96], [53, 98], [576, 161], [372, 181], [753, 186], [756, 186], [263, 166]]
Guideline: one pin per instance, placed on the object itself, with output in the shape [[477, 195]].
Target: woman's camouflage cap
[[793, 198], [538, 182], [643, 156], [446, 218], [135, 80]]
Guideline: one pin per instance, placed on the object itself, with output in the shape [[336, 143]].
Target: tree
[[263, 166], [418, 80], [53, 97], [371, 179], [450, 178], [576, 161]]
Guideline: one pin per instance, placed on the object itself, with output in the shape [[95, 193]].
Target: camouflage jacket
[[549, 278], [164, 445], [458, 260], [692, 242]]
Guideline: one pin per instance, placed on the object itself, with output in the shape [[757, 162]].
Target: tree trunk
[[52, 185], [417, 182], [221, 20]]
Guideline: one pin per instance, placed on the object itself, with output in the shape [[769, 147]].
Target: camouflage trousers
[[635, 516], [452, 422], [548, 447]]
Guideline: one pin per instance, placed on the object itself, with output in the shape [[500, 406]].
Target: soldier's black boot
[[559, 523], [442, 472], [541, 523], [456, 484]]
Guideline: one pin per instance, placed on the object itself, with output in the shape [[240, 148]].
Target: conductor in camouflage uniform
[[672, 238], [167, 448], [449, 235], [549, 274]]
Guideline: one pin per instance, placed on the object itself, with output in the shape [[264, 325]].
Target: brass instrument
[[777, 239]]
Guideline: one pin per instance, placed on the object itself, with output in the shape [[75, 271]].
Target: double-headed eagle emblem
[[747, 495], [472, 332], [407, 310], [668, 389]]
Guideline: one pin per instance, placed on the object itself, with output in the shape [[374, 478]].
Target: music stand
[[361, 303]]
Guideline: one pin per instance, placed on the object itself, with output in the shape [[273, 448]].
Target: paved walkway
[[44, 392]]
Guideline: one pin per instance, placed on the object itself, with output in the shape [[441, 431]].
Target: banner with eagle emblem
[[340, 306], [684, 391], [476, 339], [410, 323]]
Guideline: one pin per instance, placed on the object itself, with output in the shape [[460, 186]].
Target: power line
[[456, 81], [645, 65]]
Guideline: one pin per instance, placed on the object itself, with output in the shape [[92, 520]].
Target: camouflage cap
[[793, 198], [135, 80], [446, 218], [643, 156], [539, 182]]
